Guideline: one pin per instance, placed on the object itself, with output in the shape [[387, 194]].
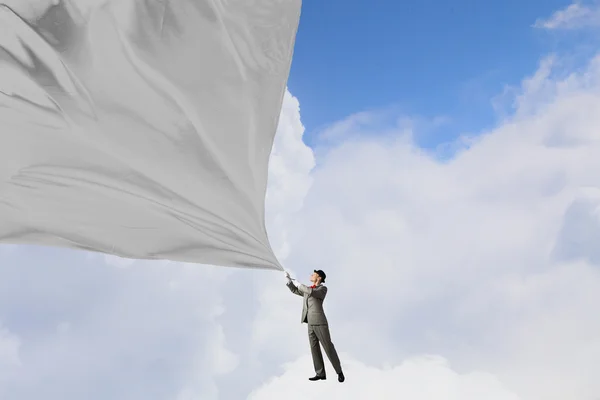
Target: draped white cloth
[[142, 128]]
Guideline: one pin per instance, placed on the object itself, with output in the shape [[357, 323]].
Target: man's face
[[315, 278]]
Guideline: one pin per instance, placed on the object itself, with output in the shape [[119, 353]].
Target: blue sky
[[426, 58]]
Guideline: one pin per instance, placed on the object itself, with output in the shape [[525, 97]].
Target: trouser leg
[[315, 350], [323, 335]]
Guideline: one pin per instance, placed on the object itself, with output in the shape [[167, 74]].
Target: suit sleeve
[[319, 292], [293, 288]]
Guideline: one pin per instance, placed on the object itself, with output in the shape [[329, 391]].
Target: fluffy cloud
[[575, 15], [10, 358], [89, 330], [289, 174], [417, 378], [488, 258]]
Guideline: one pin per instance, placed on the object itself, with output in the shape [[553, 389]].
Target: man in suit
[[318, 328]]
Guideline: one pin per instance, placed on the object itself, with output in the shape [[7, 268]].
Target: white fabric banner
[[142, 128]]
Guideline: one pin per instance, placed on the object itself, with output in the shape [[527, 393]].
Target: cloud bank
[[488, 258], [418, 378]]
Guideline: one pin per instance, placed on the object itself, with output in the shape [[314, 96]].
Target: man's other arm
[[293, 288]]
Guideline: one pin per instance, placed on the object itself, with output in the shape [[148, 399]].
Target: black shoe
[[317, 378], [341, 377]]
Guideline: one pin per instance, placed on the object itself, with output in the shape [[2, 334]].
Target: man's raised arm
[[291, 285]]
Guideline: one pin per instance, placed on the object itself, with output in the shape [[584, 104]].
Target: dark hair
[[321, 274]]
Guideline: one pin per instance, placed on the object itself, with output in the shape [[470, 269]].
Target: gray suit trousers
[[320, 334]]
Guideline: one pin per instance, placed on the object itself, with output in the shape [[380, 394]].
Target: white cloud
[[289, 174], [487, 259], [574, 16], [420, 378], [89, 330], [9, 350], [10, 359]]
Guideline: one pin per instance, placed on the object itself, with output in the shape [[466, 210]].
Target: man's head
[[318, 276]]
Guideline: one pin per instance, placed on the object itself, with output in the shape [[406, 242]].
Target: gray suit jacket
[[312, 308]]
